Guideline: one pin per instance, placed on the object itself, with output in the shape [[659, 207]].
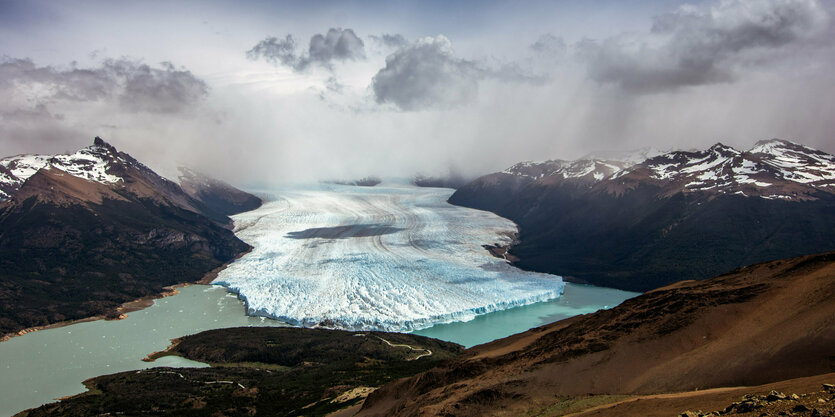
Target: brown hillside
[[759, 324]]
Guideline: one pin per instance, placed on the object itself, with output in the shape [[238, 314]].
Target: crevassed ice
[[394, 258]]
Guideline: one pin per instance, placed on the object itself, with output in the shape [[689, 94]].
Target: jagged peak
[[721, 148], [780, 145], [101, 145]]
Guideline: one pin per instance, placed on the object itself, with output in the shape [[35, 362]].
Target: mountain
[[452, 179], [82, 233], [674, 216], [756, 325], [215, 194], [362, 182]]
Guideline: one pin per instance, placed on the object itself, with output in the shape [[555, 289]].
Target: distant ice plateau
[[391, 257]]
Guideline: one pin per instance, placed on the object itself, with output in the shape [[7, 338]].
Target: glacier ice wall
[[394, 258]]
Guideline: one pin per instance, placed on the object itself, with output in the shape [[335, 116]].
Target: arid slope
[[763, 323]]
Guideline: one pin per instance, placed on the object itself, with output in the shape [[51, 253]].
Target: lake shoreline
[[125, 308]]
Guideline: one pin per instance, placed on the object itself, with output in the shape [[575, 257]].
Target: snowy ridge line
[[794, 171], [93, 163], [353, 324]]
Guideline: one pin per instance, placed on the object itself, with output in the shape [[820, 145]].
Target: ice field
[[391, 257]]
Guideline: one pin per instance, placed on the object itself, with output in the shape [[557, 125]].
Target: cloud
[[427, 74], [38, 113], [549, 44], [336, 45], [424, 74], [696, 46], [157, 90], [277, 51], [389, 40], [134, 86]]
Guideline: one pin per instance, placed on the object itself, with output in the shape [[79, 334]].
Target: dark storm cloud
[[424, 74], [157, 90], [136, 87], [323, 50], [427, 74], [694, 46]]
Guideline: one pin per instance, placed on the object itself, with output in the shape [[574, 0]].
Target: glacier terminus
[[392, 257]]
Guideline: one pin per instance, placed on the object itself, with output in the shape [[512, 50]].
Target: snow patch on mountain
[[767, 164], [88, 163], [593, 167], [92, 163], [770, 169], [593, 170], [796, 162]]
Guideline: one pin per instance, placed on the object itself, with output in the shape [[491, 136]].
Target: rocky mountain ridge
[[674, 216], [82, 233], [770, 169]]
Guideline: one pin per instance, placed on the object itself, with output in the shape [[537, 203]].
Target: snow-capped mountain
[[587, 170], [93, 173], [675, 215], [100, 163], [771, 169], [592, 170], [82, 233]]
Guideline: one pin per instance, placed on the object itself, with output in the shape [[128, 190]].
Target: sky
[[271, 92]]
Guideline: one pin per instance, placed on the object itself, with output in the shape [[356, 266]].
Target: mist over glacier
[[392, 257]]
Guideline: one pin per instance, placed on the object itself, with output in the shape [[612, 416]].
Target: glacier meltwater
[[390, 257]]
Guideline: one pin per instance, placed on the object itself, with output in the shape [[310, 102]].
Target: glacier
[[392, 257]]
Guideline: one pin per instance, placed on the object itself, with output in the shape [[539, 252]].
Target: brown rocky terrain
[[215, 194], [756, 325], [783, 398]]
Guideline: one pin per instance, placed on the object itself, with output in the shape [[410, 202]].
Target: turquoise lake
[[41, 366]]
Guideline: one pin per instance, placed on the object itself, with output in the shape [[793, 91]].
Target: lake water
[[577, 299], [38, 367], [41, 366]]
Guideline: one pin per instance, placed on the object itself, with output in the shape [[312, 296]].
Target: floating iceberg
[[394, 258]]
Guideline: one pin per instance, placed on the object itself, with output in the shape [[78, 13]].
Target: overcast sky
[[267, 92]]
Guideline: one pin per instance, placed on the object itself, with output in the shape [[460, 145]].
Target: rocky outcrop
[[813, 404]]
